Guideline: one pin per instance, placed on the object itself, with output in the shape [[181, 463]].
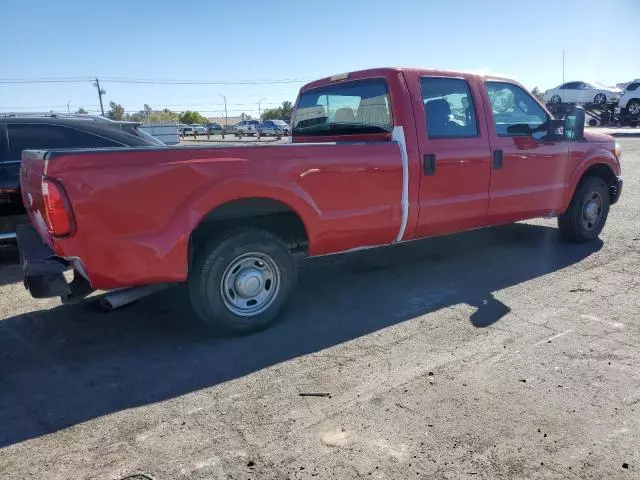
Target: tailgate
[[32, 171]]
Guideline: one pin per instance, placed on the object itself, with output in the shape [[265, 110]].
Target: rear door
[[454, 151], [529, 162]]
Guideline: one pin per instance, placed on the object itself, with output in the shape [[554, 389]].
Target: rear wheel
[[587, 213], [556, 99], [241, 281], [600, 99]]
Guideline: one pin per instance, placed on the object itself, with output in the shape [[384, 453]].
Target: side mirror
[[574, 124], [519, 129]]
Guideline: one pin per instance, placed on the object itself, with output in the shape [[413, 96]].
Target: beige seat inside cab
[[344, 115]]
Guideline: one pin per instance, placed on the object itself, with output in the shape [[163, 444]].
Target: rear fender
[[207, 198]]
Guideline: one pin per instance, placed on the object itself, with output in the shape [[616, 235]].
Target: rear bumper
[[43, 271], [616, 190]]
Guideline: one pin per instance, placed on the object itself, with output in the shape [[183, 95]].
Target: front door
[[454, 150], [569, 92], [529, 162]]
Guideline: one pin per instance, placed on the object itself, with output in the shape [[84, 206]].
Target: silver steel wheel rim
[[250, 284], [592, 211], [600, 99], [555, 99], [634, 108]]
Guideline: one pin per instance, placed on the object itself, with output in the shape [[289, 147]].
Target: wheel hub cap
[[592, 211], [250, 284]]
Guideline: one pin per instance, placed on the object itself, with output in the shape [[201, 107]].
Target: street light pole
[[260, 111]]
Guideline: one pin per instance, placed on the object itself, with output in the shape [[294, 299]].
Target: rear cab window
[[354, 107]]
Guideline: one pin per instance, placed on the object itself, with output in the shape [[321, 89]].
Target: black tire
[[211, 264], [556, 100], [574, 227]]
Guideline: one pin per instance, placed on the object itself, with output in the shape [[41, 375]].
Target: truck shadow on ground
[[69, 364]]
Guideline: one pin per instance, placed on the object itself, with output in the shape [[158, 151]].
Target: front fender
[[585, 161]]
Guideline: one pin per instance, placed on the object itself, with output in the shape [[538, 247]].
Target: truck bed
[[135, 209]]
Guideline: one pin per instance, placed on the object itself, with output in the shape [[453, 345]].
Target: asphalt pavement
[[493, 354]]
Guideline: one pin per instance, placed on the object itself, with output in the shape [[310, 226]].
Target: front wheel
[[556, 100], [587, 213], [633, 107], [241, 281]]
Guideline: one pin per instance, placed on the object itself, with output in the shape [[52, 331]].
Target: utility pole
[[225, 107], [259, 111], [563, 65], [100, 94]]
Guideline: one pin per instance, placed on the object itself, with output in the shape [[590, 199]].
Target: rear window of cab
[[355, 107]]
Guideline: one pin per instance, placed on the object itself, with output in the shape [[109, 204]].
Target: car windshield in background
[[345, 108]]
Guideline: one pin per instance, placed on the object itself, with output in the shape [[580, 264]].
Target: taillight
[[57, 209]]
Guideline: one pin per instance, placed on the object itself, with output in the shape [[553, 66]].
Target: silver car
[[246, 127]]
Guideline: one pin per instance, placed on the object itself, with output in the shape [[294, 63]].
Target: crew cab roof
[[386, 71]]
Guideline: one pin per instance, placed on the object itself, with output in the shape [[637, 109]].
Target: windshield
[[352, 107]]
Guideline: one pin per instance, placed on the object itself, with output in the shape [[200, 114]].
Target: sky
[[293, 42]]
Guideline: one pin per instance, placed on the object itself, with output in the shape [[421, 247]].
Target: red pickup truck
[[377, 157]]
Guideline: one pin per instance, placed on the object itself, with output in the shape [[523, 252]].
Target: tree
[[283, 112], [82, 111], [287, 111], [272, 114], [116, 112], [537, 93], [190, 117]]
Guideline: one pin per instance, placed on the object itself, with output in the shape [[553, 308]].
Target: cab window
[[515, 112], [448, 107]]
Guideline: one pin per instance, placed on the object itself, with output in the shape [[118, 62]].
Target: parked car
[[185, 130], [199, 129], [20, 132], [283, 125], [270, 128], [213, 128], [629, 103], [246, 127], [582, 92], [388, 164]]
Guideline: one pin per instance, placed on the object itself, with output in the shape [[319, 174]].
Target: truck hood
[[595, 137]]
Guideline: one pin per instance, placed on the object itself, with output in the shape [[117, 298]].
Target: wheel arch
[[600, 168], [267, 213]]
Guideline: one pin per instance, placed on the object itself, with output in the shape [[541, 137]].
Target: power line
[[152, 81]]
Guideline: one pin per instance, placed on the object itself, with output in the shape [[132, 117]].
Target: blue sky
[[284, 39]]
